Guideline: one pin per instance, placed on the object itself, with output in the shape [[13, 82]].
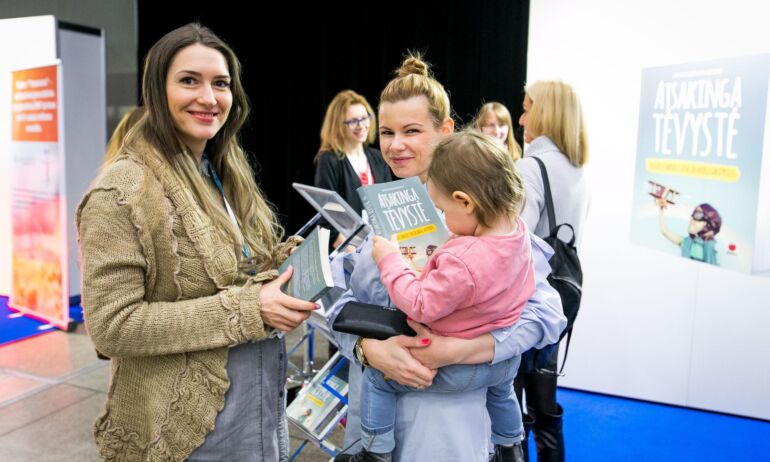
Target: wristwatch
[[358, 351]]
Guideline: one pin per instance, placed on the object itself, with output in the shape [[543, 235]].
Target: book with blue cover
[[404, 208], [312, 276]]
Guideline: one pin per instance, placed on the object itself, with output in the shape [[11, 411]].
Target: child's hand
[[382, 247]]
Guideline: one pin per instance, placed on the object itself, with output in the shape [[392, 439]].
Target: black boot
[[549, 437], [509, 453], [364, 456]]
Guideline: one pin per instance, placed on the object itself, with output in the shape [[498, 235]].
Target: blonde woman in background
[[555, 133], [495, 120], [127, 122]]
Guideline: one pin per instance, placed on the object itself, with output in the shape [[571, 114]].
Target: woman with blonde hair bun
[[414, 116], [494, 119]]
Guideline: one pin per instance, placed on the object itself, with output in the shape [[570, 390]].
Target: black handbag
[[372, 321], [566, 273]]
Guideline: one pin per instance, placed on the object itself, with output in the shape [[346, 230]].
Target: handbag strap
[[548, 196]]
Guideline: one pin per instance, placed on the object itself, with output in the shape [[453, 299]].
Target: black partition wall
[[296, 59]]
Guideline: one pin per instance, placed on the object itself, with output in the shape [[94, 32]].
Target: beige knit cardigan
[[163, 298]]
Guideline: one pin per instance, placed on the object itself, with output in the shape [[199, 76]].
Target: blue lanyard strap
[[218, 183]]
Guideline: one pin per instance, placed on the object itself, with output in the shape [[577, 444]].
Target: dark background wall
[[297, 58]]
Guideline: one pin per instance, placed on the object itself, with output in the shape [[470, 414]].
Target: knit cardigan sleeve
[[283, 250], [121, 320]]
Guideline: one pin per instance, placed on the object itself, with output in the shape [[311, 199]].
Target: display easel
[[333, 407], [317, 322], [338, 214]]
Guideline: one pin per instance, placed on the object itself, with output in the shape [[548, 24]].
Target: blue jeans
[[378, 401]]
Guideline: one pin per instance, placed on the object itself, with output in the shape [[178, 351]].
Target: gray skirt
[[252, 426]]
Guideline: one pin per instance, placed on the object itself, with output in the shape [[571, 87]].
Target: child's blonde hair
[[476, 164]]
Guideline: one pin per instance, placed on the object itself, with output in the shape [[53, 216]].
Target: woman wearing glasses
[[344, 161]]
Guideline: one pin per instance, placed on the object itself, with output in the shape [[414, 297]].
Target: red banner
[[35, 105]]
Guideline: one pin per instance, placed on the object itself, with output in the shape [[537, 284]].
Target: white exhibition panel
[[652, 326], [27, 42], [85, 113], [730, 370], [39, 41], [620, 346]]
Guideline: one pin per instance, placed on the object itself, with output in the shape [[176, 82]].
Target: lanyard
[[230, 213]]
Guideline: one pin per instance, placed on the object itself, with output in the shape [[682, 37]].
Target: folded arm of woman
[[391, 357], [120, 319]]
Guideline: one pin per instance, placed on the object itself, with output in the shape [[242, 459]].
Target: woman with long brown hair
[[179, 250]]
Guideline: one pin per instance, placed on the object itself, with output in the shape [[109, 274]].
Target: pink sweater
[[470, 286]]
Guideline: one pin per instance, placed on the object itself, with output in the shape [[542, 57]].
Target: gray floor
[[53, 386]]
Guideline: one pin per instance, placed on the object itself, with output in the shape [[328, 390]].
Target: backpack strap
[[548, 196], [566, 351], [554, 230]]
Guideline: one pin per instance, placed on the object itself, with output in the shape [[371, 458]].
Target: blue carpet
[[605, 428], [14, 328]]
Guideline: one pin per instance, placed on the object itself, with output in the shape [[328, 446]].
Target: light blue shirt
[[699, 249], [443, 426]]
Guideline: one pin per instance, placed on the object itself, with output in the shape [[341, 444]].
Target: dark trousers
[[537, 378]]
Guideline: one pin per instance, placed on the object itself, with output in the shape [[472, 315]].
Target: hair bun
[[413, 64]]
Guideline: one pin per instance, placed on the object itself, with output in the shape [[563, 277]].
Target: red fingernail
[[409, 318], [425, 341], [317, 307]]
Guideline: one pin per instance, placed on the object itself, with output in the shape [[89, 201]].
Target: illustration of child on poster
[[699, 243]]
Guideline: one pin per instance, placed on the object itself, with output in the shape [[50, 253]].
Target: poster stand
[[53, 128], [322, 402]]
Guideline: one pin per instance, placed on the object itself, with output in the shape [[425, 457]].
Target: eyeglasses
[[698, 215], [356, 122]]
